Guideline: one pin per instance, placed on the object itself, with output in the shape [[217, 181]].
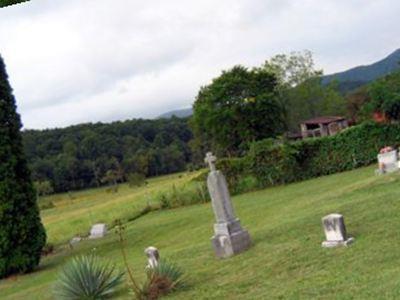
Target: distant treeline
[[91, 155]]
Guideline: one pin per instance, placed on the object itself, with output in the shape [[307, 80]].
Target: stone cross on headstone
[[210, 160], [229, 238]]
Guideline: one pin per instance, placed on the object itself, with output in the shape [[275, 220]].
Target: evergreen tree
[[22, 235], [4, 3]]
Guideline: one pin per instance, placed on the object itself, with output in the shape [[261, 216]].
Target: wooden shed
[[323, 126]]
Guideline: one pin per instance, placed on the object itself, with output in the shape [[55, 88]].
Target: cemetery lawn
[[286, 260]]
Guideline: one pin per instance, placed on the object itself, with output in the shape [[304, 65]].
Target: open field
[[286, 260], [75, 213]]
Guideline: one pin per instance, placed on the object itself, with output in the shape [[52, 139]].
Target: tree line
[[91, 155], [237, 108]]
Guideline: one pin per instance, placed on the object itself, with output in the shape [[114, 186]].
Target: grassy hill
[[286, 260]]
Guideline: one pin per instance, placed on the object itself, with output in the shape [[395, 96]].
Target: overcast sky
[[99, 60]]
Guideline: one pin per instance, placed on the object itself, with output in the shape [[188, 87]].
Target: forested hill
[[356, 77], [85, 155], [180, 113]]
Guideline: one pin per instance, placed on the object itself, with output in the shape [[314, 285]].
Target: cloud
[[98, 60]]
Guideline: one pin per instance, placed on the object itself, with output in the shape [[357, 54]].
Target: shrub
[[46, 204], [87, 277], [161, 280], [47, 249], [112, 189], [385, 96], [234, 170], [193, 193], [164, 201], [136, 179], [144, 211], [272, 164], [201, 176], [44, 188], [246, 184]]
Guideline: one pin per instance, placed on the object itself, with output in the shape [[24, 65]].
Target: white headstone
[[229, 238], [389, 161], [153, 257], [98, 231], [335, 231]]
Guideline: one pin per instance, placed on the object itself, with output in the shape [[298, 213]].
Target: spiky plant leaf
[[161, 280], [87, 277], [170, 271]]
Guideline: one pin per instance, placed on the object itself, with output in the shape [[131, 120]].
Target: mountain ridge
[[361, 75], [347, 80], [179, 113]]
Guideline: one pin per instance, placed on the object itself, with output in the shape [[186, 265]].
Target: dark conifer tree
[[22, 235]]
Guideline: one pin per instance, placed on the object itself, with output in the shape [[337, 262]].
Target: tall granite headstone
[[229, 238]]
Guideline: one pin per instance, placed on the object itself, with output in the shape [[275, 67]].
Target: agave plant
[[170, 271], [161, 280], [87, 277]]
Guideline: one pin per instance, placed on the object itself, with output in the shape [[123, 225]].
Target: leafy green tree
[[238, 107], [293, 69], [114, 175], [355, 103], [311, 99], [300, 89], [22, 235], [111, 178], [385, 96], [44, 188], [136, 179]]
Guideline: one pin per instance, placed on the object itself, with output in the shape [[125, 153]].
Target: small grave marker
[[98, 231], [153, 257], [335, 231]]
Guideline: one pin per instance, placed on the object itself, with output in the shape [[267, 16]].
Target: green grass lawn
[[286, 260], [74, 214]]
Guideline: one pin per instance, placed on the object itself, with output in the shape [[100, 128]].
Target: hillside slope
[[358, 76], [179, 113], [286, 260]]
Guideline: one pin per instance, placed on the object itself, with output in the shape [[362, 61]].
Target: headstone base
[[332, 244], [226, 245]]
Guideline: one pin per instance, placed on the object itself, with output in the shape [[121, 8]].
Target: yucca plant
[[166, 269], [88, 278], [161, 280]]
